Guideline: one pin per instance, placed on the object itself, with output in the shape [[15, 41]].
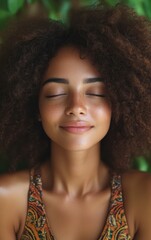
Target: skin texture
[[62, 105], [76, 190]]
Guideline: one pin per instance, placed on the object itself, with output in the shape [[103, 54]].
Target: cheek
[[49, 118], [103, 116], [103, 112], [48, 110]]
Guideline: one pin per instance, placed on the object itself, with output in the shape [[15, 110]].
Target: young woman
[[75, 107]]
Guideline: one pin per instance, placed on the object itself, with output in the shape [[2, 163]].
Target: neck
[[77, 173]]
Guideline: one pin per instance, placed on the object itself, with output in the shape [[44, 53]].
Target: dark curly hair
[[117, 41]]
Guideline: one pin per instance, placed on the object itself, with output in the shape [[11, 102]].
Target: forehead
[[67, 62]]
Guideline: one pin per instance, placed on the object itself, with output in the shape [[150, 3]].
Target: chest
[[77, 219], [97, 217]]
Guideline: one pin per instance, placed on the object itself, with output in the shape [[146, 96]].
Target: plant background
[[58, 9]]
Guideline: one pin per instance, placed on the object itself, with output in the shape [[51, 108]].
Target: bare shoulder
[[14, 180], [137, 201], [137, 182], [137, 185], [13, 201]]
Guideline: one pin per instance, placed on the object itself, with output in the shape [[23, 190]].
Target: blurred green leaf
[[112, 2], [15, 5], [137, 5], [4, 14], [147, 8], [141, 164], [89, 2], [3, 4], [51, 5], [64, 11]]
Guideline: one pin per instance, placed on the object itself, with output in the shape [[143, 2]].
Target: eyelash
[[96, 95], [63, 94], [51, 96]]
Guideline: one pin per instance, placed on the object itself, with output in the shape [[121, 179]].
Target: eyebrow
[[66, 81]]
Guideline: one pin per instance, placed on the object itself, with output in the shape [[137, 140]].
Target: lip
[[73, 129], [76, 127]]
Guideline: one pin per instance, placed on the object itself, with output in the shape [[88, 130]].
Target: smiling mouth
[[76, 129]]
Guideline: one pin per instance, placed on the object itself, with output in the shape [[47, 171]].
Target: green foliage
[[57, 9], [142, 164], [15, 5]]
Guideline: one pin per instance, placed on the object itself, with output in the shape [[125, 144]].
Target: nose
[[76, 105]]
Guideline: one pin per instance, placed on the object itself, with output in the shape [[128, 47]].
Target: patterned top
[[37, 227]]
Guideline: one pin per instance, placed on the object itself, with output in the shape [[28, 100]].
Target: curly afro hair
[[117, 41]]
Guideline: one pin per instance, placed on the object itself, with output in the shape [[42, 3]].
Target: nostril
[[76, 106], [75, 111]]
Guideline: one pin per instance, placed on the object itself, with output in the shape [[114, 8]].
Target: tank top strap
[[35, 201], [116, 202], [36, 226], [35, 182], [116, 226], [116, 190]]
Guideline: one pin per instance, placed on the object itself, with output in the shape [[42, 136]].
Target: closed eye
[[96, 95], [55, 95], [63, 94]]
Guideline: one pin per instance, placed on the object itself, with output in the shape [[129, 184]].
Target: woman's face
[[74, 108]]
